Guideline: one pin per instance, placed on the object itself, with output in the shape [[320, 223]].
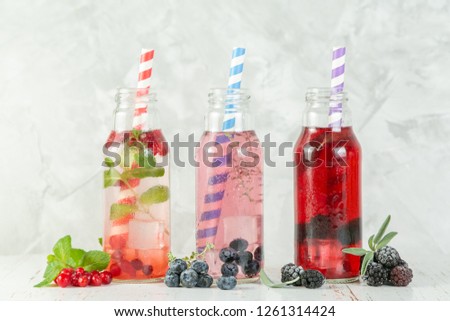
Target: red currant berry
[[83, 281], [67, 271], [106, 277], [74, 279], [95, 272], [79, 270], [115, 270], [89, 276], [63, 280], [96, 280]]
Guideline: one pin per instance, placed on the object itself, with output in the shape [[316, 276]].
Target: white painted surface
[[60, 62], [18, 274]]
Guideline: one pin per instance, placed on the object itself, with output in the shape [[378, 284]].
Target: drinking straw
[[212, 203], [145, 74], [337, 86]]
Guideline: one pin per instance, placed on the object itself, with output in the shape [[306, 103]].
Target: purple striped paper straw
[[337, 86]]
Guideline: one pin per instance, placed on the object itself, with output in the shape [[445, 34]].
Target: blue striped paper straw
[[209, 220]]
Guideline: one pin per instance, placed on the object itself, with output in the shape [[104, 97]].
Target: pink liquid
[[241, 208]]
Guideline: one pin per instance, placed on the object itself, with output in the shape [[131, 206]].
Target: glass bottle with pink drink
[[229, 182], [327, 189], [136, 182]]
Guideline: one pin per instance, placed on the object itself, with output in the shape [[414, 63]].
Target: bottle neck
[[319, 101], [135, 108], [228, 111]]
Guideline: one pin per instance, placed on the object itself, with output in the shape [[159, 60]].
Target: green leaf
[[109, 162], [110, 177], [62, 248], [51, 258], [143, 173], [371, 245], [145, 159], [156, 194], [136, 133], [100, 241], [121, 210], [355, 251], [386, 239], [382, 229], [76, 257], [367, 258], [95, 260], [268, 282], [51, 272]]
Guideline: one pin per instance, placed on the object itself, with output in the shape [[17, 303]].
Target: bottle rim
[[315, 94], [135, 95], [228, 95]]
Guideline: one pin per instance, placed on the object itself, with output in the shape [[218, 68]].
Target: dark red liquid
[[327, 201]]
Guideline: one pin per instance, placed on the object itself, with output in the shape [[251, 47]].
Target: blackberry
[[204, 281], [239, 244], [349, 233], [388, 256], [172, 280], [226, 282], [229, 269], [401, 276], [201, 267], [189, 278], [244, 257], [290, 272], [403, 263], [312, 279], [178, 266], [252, 268], [258, 254], [376, 274], [228, 255]]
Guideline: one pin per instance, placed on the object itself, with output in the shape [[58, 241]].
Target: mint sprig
[[375, 242], [64, 256]]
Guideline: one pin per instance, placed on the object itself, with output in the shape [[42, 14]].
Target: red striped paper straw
[[145, 74]]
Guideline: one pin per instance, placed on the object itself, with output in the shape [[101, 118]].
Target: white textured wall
[[60, 62]]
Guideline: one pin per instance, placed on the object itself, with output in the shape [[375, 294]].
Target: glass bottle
[[229, 186], [136, 185], [327, 190]]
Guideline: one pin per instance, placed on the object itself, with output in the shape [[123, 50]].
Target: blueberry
[[189, 278], [244, 257], [200, 267], [239, 244], [204, 281], [252, 268], [178, 266], [226, 282], [172, 280], [229, 269], [147, 269], [228, 255], [258, 254]]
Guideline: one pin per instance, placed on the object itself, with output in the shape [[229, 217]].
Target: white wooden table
[[18, 274]]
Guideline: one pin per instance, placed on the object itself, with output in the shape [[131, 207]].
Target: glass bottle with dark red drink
[[327, 190]]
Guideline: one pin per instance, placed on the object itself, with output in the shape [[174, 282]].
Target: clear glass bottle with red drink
[[229, 187], [327, 190], [136, 186]]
